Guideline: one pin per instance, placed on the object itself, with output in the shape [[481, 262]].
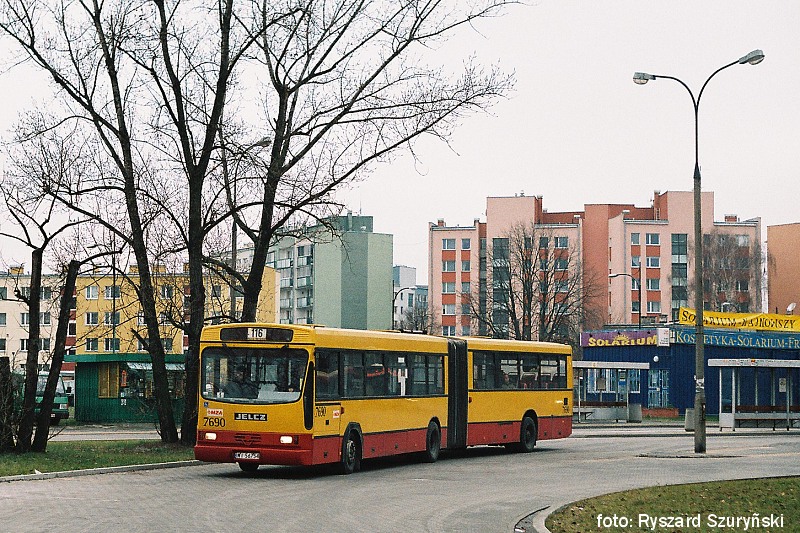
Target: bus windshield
[[253, 375]]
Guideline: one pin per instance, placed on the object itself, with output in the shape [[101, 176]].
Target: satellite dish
[[791, 307]]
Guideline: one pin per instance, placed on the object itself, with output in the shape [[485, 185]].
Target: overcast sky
[[577, 130]]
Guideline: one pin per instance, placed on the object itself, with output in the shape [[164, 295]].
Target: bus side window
[[376, 383], [327, 375], [353, 368]]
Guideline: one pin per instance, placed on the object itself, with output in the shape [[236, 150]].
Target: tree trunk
[[28, 415], [43, 418], [6, 406]]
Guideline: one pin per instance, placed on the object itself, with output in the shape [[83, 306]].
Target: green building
[[339, 274], [118, 387]]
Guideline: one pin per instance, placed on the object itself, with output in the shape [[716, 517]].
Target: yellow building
[[108, 316]]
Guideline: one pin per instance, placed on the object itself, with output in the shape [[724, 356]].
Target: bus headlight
[[287, 439], [211, 436]]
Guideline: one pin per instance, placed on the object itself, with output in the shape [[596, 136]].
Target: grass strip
[[754, 505], [79, 455]]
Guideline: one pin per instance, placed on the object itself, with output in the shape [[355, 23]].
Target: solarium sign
[[638, 337]]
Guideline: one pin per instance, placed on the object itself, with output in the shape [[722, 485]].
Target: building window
[[91, 319], [167, 291], [449, 287], [634, 238], [111, 344], [653, 284], [3, 293], [111, 318], [653, 239], [167, 343], [635, 306], [561, 242], [448, 266], [449, 309], [654, 307], [2, 319], [112, 292], [108, 380], [24, 319], [465, 266], [743, 240], [23, 345], [44, 344], [653, 262], [448, 244], [91, 344], [465, 288], [636, 261], [465, 244], [465, 330], [742, 285], [216, 291], [448, 331], [544, 242], [561, 263], [2, 345], [91, 292]]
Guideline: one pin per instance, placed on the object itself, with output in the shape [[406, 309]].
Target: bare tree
[[39, 221], [733, 271], [347, 86], [537, 287]]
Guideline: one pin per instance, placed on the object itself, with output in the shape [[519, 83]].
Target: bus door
[[457, 394]]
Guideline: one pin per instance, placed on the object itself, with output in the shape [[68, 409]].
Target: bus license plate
[[247, 455]]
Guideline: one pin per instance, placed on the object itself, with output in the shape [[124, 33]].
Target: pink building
[[784, 267], [619, 245]]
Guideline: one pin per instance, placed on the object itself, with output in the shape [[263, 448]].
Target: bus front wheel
[[433, 443], [351, 453], [527, 435]]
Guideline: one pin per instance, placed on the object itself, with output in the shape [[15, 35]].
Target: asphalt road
[[481, 490]]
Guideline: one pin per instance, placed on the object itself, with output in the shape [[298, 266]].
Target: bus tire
[[248, 467], [527, 435], [351, 452], [433, 443]]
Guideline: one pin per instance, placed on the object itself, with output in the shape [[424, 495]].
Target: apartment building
[[339, 278], [783, 267], [106, 314], [15, 318], [609, 250], [410, 301]]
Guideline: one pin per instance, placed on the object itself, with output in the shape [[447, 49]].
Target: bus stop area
[[757, 393], [603, 390]]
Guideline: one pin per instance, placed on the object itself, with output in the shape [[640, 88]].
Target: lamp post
[[640, 78], [640, 288]]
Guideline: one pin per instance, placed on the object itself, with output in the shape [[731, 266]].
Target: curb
[[96, 471]]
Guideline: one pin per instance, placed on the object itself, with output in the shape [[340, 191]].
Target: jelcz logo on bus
[[255, 417]]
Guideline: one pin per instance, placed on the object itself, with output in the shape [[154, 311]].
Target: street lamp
[[640, 78], [640, 288]]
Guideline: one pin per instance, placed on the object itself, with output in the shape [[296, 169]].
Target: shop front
[[118, 387]]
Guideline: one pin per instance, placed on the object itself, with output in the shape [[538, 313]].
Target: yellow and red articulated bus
[[307, 395]]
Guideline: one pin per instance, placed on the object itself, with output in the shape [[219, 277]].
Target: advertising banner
[[756, 321], [630, 337]]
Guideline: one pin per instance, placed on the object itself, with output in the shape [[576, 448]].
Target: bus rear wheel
[[433, 443], [351, 453], [248, 467], [527, 435]]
